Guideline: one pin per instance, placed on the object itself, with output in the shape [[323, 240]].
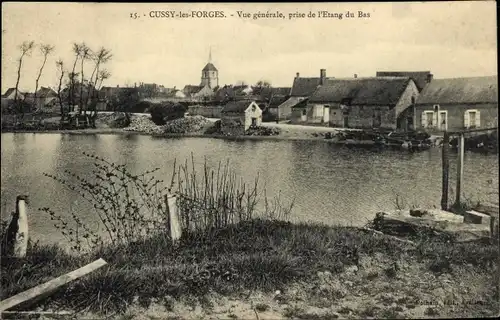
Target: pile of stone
[[145, 125], [263, 131], [111, 120], [194, 124]]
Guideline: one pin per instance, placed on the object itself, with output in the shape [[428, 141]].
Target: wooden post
[[27, 298], [446, 171], [460, 167], [175, 227]]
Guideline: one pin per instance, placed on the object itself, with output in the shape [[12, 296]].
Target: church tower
[[210, 74]]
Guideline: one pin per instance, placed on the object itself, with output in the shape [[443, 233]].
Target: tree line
[[74, 86]]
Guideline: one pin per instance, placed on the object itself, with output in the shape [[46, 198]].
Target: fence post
[[173, 215], [17, 231], [446, 171], [460, 167]]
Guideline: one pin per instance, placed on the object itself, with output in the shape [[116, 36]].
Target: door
[[346, 120], [326, 114], [254, 122], [443, 120], [377, 119]]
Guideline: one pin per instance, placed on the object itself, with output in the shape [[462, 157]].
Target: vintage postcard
[[249, 160]]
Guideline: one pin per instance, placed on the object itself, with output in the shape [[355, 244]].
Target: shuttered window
[[428, 119], [472, 118]]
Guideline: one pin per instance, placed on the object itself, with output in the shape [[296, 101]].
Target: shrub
[[161, 113], [133, 206]]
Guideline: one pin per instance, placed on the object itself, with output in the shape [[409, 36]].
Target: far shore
[[282, 136]]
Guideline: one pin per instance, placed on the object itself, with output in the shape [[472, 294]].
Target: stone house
[[238, 116], [421, 78], [376, 102], [457, 104], [302, 89]]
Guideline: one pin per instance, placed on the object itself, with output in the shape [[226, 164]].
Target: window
[[472, 118], [254, 108], [412, 100], [304, 112], [443, 120], [436, 107], [428, 120]]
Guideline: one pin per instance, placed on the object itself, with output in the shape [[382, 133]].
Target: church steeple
[[210, 74]]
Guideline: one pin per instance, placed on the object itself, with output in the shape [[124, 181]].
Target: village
[[402, 102], [249, 161]]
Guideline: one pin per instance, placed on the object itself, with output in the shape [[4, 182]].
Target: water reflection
[[331, 184]]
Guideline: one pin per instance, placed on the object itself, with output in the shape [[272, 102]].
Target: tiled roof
[[362, 91], [419, 77], [460, 90], [237, 106], [209, 67], [294, 102], [190, 89]]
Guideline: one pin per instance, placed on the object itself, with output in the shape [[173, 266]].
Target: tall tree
[[84, 56], [45, 49], [77, 50], [26, 48], [100, 57], [101, 76], [60, 67]]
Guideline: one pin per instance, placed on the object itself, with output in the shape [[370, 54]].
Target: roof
[[362, 91], [11, 91], [237, 106], [46, 92], [189, 89], [209, 67], [268, 92], [419, 77], [230, 91], [303, 87], [460, 90], [293, 102]]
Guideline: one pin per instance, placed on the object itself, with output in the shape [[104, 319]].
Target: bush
[[161, 113]]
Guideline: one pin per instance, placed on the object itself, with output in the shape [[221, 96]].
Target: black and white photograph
[[328, 160]]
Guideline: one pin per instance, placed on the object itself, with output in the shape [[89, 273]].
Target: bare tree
[[45, 49], [26, 48], [85, 54], [60, 67], [101, 76], [77, 50], [102, 56]]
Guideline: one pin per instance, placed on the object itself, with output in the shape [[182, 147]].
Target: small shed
[[238, 116]]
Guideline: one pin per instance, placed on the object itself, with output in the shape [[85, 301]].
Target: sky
[[450, 39]]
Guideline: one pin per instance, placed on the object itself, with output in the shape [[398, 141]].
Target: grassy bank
[[329, 270], [234, 261]]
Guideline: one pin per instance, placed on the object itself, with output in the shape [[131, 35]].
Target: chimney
[[118, 86], [135, 84], [429, 78], [355, 76], [322, 76], [297, 75]]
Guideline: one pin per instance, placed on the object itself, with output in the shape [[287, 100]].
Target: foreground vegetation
[[257, 255], [231, 255]]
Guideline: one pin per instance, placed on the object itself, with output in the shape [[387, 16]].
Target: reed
[[131, 206]]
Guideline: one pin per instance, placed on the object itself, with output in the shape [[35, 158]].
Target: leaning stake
[[32, 295]]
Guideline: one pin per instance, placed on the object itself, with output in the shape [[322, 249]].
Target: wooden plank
[[39, 292], [35, 314], [474, 130], [446, 171], [460, 168], [390, 236]]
